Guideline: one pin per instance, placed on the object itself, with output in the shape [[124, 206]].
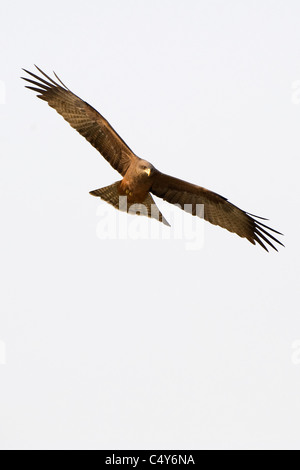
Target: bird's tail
[[148, 207]]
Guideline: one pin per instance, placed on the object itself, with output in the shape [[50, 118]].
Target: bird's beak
[[148, 171]]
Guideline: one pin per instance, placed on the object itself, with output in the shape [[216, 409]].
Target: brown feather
[[217, 209], [147, 207], [85, 119]]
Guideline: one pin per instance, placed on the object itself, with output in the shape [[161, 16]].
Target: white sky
[[142, 343]]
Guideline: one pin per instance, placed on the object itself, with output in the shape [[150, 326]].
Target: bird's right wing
[[85, 119], [217, 209]]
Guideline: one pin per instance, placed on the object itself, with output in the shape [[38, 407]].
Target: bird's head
[[145, 169]]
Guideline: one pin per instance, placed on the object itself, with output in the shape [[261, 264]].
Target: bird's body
[[140, 177], [137, 181]]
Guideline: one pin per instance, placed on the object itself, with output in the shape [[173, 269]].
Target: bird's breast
[[135, 192]]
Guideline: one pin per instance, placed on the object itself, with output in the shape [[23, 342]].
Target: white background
[[142, 343]]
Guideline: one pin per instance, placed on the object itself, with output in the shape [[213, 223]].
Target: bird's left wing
[[217, 209], [85, 119]]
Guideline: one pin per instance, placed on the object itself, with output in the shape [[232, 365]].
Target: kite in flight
[[140, 178]]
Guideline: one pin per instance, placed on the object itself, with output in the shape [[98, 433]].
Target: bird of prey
[[140, 178]]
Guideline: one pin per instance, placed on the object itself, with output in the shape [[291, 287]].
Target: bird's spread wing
[[85, 119], [217, 209]]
